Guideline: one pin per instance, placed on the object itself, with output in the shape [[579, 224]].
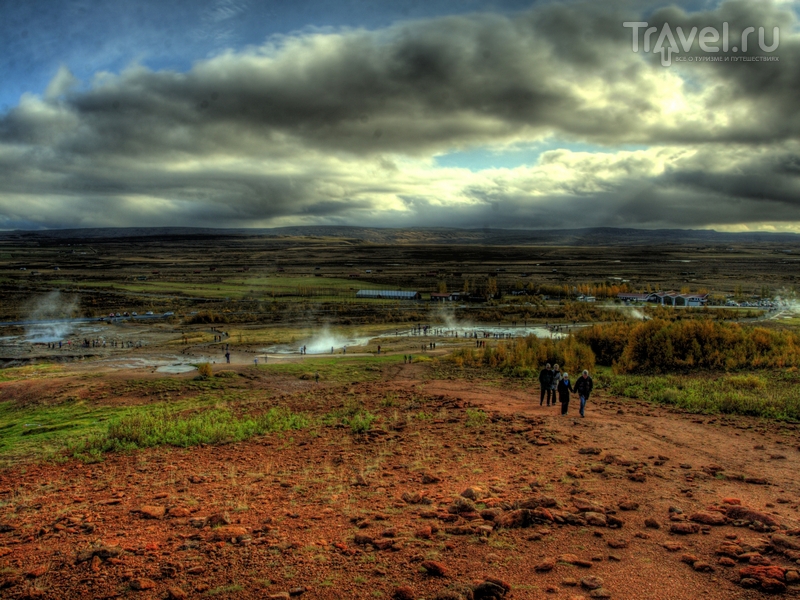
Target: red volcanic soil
[[632, 502]]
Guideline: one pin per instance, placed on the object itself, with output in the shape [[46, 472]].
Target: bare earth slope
[[634, 501]]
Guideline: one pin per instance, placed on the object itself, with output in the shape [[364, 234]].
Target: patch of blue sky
[[485, 157]]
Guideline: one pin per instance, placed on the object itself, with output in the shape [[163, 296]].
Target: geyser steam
[[48, 314]]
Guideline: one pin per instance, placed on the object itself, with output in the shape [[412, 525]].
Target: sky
[[435, 113]]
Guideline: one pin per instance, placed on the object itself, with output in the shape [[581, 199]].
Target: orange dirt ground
[[560, 505]]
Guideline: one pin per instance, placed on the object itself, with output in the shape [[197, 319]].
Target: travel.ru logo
[[707, 40]]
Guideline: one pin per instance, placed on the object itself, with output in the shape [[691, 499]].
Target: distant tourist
[[255, 361], [545, 383], [316, 377], [564, 388], [583, 387], [228, 357], [556, 378]]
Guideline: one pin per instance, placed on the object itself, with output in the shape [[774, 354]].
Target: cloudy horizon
[[509, 117]]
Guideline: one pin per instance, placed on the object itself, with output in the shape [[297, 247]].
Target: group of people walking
[[556, 385]]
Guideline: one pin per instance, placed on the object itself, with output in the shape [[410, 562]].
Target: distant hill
[[600, 236]]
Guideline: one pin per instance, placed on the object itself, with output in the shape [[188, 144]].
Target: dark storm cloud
[[338, 126]]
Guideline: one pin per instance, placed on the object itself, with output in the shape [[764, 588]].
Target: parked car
[[149, 312], [134, 314], [168, 314]]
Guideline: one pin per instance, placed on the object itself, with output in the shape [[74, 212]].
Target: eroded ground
[[633, 501]]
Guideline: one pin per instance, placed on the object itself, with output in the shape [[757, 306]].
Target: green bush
[[361, 422], [476, 417]]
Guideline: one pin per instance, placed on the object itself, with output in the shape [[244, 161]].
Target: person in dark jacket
[[564, 388], [583, 387], [545, 382]]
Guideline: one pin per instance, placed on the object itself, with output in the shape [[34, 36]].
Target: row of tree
[[660, 346]]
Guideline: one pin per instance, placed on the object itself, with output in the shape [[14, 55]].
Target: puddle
[[176, 368]]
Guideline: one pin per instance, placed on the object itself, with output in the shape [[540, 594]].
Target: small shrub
[[205, 371], [361, 422], [476, 417]]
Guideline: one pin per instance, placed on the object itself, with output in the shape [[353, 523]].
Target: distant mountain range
[[599, 236]]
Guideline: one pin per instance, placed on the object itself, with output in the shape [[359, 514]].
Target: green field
[[219, 409], [234, 287]]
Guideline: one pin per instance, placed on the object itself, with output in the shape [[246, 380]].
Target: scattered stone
[[179, 512], [584, 505], [763, 573], [702, 567], [617, 543], [472, 493], [415, 498], [708, 518], [591, 582], [684, 528], [434, 568], [590, 450], [491, 589], [490, 514], [614, 522], [218, 519], [428, 478], [726, 562], [546, 565], [785, 542], [600, 593], [595, 519], [461, 505], [142, 583], [36, 572], [103, 552], [672, 546], [755, 480], [515, 518], [741, 513], [628, 505], [651, 523], [730, 550], [227, 533], [403, 592], [152, 512], [176, 593]]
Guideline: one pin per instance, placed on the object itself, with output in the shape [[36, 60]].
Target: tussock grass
[[165, 426], [768, 395]]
